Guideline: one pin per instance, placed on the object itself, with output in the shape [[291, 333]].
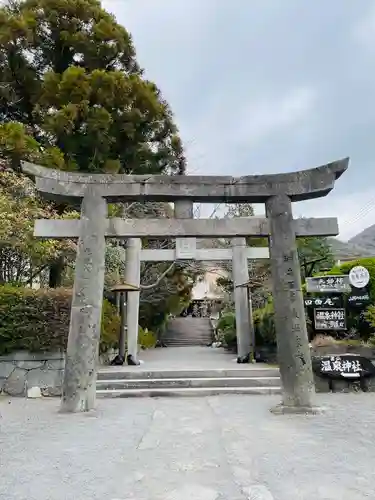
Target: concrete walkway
[[217, 448], [186, 358]]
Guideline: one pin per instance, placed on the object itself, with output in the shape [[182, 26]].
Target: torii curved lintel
[[301, 185]]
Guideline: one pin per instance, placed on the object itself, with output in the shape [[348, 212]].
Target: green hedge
[[345, 267], [38, 320]]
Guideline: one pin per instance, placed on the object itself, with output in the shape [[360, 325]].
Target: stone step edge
[[187, 391], [185, 374], [184, 379], [233, 369], [191, 372]]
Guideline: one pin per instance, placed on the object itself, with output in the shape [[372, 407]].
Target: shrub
[[230, 339], [226, 328], [227, 322], [38, 320], [369, 315], [264, 324], [146, 338]]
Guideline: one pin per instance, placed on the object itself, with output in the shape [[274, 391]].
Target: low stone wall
[[344, 385], [365, 351], [20, 371]]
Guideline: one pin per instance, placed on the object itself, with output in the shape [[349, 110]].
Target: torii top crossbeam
[[299, 186]]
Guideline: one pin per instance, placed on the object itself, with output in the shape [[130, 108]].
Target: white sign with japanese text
[[328, 284], [346, 367], [359, 277], [330, 319]]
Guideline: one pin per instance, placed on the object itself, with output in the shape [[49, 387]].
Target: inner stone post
[[292, 340], [123, 325], [79, 384], [240, 277], [184, 209], [133, 277]]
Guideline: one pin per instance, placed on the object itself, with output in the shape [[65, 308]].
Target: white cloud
[[251, 95], [354, 211], [263, 117], [364, 30], [229, 124]]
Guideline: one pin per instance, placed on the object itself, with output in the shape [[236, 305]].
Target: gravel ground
[[218, 448]]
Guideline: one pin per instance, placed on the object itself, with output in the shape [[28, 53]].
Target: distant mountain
[[361, 245], [365, 239]]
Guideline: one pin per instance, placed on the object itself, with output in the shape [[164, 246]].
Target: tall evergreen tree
[[69, 75]]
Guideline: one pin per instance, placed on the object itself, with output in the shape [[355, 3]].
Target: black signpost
[[329, 319], [331, 297], [359, 298], [343, 366], [323, 301]]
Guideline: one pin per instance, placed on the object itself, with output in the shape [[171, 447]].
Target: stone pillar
[[292, 341], [184, 209], [79, 386], [123, 325], [133, 277], [241, 276], [185, 247], [251, 324]]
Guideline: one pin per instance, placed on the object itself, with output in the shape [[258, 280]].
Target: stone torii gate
[[186, 250], [277, 191]]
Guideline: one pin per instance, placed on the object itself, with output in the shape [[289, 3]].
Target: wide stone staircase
[[188, 331], [114, 382]]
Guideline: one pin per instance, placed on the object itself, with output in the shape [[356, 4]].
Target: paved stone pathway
[[218, 448], [186, 358]]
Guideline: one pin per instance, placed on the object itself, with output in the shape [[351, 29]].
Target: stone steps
[[147, 383], [159, 383], [188, 332], [188, 342], [138, 372], [186, 392]]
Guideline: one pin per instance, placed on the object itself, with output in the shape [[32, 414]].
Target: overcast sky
[[266, 86]]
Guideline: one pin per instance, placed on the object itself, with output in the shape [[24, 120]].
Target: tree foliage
[[73, 97], [315, 254], [21, 255], [69, 76]]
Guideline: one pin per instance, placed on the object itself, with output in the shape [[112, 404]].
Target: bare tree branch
[[161, 277]]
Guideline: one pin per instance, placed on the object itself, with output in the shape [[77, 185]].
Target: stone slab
[[161, 228], [300, 185], [296, 410], [6, 368], [219, 448], [15, 384]]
